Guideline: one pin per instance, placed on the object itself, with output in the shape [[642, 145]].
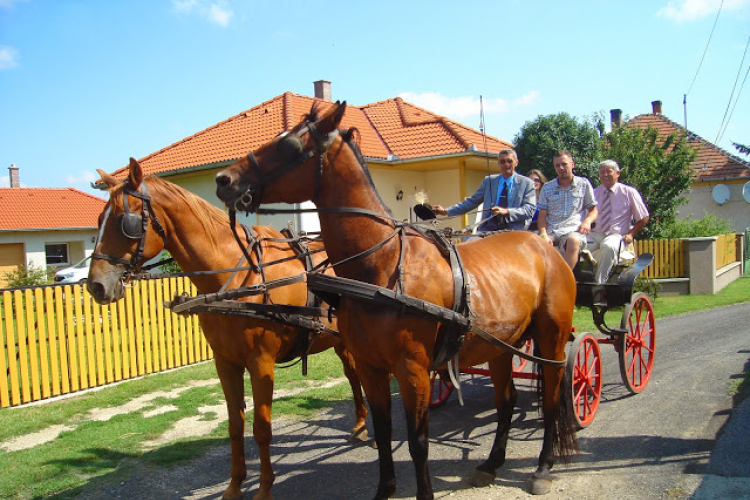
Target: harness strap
[[327, 284]]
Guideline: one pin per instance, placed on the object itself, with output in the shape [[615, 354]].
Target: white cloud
[[8, 58], [691, 10], [216, 11], [466, 107], [84, 177], [7, 4]]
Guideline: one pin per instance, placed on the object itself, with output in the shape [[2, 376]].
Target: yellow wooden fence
[[57, 340], [669, 258], [728, 249]]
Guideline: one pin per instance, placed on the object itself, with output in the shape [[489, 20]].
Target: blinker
[[131, 225]]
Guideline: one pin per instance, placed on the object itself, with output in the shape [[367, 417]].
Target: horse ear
[[135, 177], [332, 118], [108, 180]]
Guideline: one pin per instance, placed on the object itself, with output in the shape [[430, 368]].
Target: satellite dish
[[746, 191], [720, 193]]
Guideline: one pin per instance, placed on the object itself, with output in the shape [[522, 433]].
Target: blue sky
[[86, 84]]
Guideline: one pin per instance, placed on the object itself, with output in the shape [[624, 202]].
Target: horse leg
[[501, 373], [262, 378], [415, 394], [377, 388], [559, 434], [359, 431], [232, 384]]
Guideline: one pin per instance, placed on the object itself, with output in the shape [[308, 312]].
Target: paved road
[[656, 445]]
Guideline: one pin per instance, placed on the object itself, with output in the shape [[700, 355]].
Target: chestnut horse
[[198, 236], [520, 288]]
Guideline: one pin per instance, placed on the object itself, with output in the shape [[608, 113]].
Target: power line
[[706, 49], [735, 102], [724, 120]]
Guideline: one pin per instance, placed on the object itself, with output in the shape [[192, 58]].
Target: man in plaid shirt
[[563, 203]]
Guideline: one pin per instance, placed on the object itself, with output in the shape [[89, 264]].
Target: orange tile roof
[[712, 162], [387, 128], [48, 208]]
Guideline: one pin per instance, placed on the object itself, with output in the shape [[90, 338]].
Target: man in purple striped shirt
[[622, 214]]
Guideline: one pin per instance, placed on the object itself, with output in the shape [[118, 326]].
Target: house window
[[57, 254]]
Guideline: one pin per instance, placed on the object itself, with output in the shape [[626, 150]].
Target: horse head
[[287, 169], [125, 241]]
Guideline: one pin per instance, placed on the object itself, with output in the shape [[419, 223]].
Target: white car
[[73, 274]]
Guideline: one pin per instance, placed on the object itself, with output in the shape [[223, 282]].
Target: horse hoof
[[232, 494], [480, 479], [358, 436], [540, 486], [263, 496]]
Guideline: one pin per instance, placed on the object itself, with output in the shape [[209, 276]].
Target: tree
[[659, 167], [538, 140], [743, 149]]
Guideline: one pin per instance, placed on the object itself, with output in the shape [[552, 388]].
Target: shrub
[[28, 276], [708, 225]]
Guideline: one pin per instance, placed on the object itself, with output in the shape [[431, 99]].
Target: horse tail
[[565, 440]]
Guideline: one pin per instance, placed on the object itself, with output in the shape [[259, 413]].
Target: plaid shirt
[[565, 207]]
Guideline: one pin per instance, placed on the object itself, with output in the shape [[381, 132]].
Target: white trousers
[[608, 250]]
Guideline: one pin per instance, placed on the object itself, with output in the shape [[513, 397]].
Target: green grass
[[736, 292], [104, 451], [95, 449]]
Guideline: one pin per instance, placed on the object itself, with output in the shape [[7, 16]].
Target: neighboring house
[[721, 185], [45, 227], [408, 150]]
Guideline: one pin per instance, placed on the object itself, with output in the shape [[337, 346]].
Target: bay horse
[[520, 287], [198, 236]]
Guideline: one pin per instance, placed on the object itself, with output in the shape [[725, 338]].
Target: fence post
[[701, 254]]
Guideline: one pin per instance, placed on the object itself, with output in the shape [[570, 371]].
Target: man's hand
[[627, 238], [499, 211], [585, 228], [439, 210]]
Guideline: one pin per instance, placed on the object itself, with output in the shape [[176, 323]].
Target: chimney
[[323, 90], [615, 117], [15, 180], [656, 107]]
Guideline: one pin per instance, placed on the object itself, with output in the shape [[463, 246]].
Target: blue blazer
[[521, 201]]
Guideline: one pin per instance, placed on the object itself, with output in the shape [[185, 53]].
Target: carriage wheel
[[637, 346], [440, 388], [520, 363], [584, 374]]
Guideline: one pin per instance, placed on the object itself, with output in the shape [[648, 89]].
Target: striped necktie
[[605, 213]]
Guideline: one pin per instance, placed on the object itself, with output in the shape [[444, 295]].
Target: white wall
[[80, 244], [736, 209]]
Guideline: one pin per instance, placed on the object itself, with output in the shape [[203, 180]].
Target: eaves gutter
[[719, 179], [396, 160], [196, 168]]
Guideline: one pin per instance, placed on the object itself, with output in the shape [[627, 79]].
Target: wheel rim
[[585, 375], [638, 344], [520, 363], [440, 388]]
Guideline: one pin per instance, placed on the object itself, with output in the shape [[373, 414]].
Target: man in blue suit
[[510, 196]]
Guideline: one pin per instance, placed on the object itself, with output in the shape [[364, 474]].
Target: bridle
[[251, 199], [135, 226]]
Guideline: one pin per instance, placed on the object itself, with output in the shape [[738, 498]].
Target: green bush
[[28, 276], [708, 225]]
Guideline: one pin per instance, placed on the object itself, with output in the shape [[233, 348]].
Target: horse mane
[[208, 214], [348, 136]]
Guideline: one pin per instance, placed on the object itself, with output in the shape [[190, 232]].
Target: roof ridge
[[691, 134]]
